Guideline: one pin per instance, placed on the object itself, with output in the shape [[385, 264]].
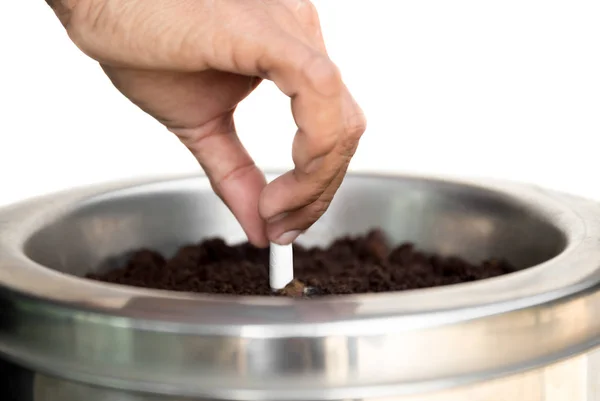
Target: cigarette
[[281, 263], [281, 266]]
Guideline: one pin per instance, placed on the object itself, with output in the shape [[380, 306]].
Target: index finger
[[304, 73], [300, 189], [319, 99]]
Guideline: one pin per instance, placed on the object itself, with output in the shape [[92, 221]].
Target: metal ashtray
[[526, 336]]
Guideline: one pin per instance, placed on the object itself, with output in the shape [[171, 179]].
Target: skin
[[188, 63]]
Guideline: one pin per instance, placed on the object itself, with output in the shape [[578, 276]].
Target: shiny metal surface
[[574, 379], [351, 347]]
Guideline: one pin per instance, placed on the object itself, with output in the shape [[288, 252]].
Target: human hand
[[188, 63]]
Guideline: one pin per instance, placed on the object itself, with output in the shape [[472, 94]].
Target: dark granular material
[[350, 265]]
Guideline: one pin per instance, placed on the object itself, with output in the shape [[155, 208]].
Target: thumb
[[231, 171]]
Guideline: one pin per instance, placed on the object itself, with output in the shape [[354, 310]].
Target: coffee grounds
[[351, 265]]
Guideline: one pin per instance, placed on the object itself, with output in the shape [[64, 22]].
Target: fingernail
[[314, 165], [277, 217], [288, 237]]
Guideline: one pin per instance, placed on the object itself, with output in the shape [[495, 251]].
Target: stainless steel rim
[[474, 331]]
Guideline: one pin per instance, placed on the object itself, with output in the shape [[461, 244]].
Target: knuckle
[[354, 129], [231, 174], [195, 136], [314, 189], [315, 210], [311, 9], [356, 126], [307, 12], [323, 75], [315, 195], [348, 148]]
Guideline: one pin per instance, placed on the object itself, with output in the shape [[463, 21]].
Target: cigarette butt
[[281, 266]]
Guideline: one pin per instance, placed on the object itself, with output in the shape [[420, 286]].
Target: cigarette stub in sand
[[281, 268], [281, 263]]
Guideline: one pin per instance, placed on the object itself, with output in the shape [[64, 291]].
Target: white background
[[506, 89]]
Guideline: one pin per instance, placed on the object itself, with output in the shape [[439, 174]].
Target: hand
[[188, 63]]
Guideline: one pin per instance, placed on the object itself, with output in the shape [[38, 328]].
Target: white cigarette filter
[[281, 266]]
